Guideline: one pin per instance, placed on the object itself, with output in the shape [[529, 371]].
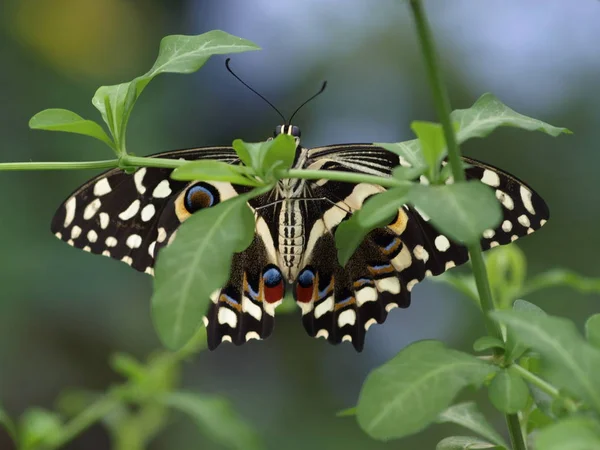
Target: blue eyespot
[[272, 277], [200, 196], [306, 278]]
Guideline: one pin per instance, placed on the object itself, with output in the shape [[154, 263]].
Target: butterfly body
[[131, 217]]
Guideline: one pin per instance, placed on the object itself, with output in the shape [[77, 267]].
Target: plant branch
[[347, 177], [69, 165], [442, 105]]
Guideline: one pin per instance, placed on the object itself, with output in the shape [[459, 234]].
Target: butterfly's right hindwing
[[129, 217]]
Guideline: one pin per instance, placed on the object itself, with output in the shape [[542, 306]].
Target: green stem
[[346, 177], [92, 414], [442, 105], [70, 165], [544, 386]]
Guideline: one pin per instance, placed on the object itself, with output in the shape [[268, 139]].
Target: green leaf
[[197, 263], [507, 269], [276, 153], [408, 392], [68, 121], [348, 412], [489, 113], [486, 343], [209, 170], [573, 433], [467, 415], [569, 362], [462, 211], [7, 423], [127, 366], [177, 54], [592, 330], [537, 419], [508, 392], [515, 348], [410, 151], [377, 211], [433, 145], [408, 173], [37, 427], [464, 443], [559, 278], [216, 419]]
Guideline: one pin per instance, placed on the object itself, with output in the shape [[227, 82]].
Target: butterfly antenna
[[245, 84], [314, 96]]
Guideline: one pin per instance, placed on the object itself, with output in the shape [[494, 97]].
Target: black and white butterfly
[[130, 217]]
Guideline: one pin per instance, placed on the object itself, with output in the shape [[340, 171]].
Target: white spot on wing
[[366, 294], [148, 212], [227, 316], [111, 241], [450, 265], [526, 198], [138, 178], [162, 235], [347, 317], [151, 248], [507, 226], [131, 211], [524, 220], [252, 335], [75, 232], [162, 190], [251, 308], [489, 233], [102, 187], [127, 260], [420, 253], [324, 307], [70, 207], [505, 199], [389, 284], [411, 284], [490, 178], [92, 236], [494, 244], [390, 306], [104, 220], [442, 243], [134, 241], [91, 209], [369, 322], [322, 333]]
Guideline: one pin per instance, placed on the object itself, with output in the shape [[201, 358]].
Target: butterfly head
[[292, 130]]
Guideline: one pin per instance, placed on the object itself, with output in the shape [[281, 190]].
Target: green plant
[[539, 373]]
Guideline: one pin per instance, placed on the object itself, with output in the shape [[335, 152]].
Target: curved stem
[[442, 105], [347, 177]]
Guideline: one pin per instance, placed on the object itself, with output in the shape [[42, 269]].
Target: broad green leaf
[[515, 348], [462, 211], [592, 330], [377, 211], [68, 121], [196, 264], [38, 427], [7, 423], [209, 170], [410, 151], [569, 362], [489, 113], [566, 278], [573, 433], [408, 173], [464, 443], [280, 153], [177, 54], [408, 392], [467, 415], [486, 343], [251, 153], [216, 419], [507, 269], [433, 144], [508, 392]]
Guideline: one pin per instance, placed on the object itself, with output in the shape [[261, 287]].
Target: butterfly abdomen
[[291, 240]]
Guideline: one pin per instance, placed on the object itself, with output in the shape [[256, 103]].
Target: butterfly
[[131, 217]]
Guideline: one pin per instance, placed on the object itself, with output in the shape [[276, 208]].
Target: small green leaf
[[467, 415], [515, 348], [410, 151], [377, 211], [489, 113], [280, 153], [573, 433], [464, 443], [7, 423], [408, 173], [486, 343], [433, 145], [560, 278], [209, 170], [348, 412], [196, 264], [127, 366], [569, 361], [508, 392], [68, 121], [216, 419], [507, 269], [408, 392], [462, 211], [592, 330], [38, 427], [177, 54]]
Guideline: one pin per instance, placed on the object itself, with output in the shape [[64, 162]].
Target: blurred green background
[[63, 312]]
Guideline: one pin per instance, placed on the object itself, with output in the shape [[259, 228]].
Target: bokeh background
[[63, 312]]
